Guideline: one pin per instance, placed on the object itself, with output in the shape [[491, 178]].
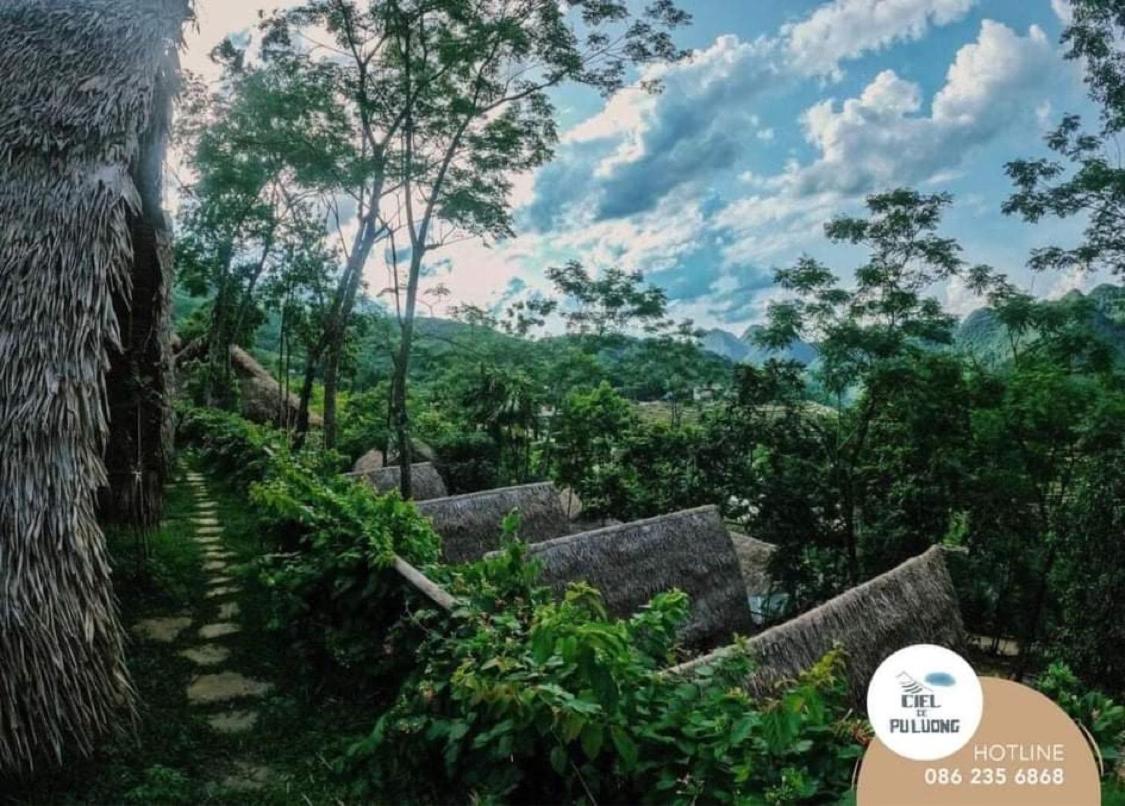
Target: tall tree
[[1087, 178], [447, 99], [254, 144], [866, 336]]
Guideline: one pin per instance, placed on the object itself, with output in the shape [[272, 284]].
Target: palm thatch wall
[[754, 559], [83, 93], [425, 481], [914, 603], [469, 525], [631, 563]]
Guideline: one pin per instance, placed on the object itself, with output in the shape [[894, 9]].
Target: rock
[[218, 630], [233, 721], [162, 630], [215, 565], [219, 581], [226, 590], [229, 610], [223, 686], [248, 777], [206, 655], [372, 460]]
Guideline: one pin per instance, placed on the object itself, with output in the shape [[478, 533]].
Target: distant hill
[[982, 335], [745, 350]]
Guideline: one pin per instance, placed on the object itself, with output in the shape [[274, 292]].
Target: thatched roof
[[370, 461], [914, 603], [82, 86], [469, 525], [425, 481], [754, 560], [262, 396], [631, 563]]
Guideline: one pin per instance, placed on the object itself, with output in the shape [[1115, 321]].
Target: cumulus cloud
[[1063, 10], [846, 29], [880, 138], [640, 148]]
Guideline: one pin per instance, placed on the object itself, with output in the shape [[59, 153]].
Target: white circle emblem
[[925, 702]]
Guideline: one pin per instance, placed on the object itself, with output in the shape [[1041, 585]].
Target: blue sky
[[790, 112]]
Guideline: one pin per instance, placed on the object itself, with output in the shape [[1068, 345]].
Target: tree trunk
[[312, 359], [402, 373], [1037, 607]]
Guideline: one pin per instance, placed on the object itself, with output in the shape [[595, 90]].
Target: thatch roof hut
[[469, 525], [84, 107], [631, 563], [754, 559], [425, 481], [914, 603]]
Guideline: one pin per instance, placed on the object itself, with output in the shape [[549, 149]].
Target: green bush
[[1104, 718], [333, 592], [236, 449], [525, 698]]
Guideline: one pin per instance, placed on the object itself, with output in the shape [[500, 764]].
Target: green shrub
[[333, 591], [525, 698], [234, 448], [1104, 718]]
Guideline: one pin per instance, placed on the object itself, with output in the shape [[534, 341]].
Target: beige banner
[[1026, 752]]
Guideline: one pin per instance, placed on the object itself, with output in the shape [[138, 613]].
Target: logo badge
[[924, 702]]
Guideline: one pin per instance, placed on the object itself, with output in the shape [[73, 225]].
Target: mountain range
[[980, 333]]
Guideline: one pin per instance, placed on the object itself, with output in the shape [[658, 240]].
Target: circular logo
[[924, 702]]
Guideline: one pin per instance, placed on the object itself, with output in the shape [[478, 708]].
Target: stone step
[[206, 654], [218, 629], [224, 686]]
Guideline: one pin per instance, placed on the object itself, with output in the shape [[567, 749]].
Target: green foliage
[[525, 698], [332, 590], [161, 785], [1102, 716], [233, 447]]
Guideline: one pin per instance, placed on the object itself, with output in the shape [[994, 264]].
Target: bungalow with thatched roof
[[469, 525], [632, 562], [425, 481], [914, 603], [85, 104]]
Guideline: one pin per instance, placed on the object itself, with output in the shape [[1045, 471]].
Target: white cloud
[[1063, 10], [879, 139], [218, 19], [846, 29]]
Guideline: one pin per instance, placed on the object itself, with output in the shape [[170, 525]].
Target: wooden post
[[420, 582]]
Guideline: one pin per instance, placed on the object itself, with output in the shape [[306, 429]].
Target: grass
[[174, 756]]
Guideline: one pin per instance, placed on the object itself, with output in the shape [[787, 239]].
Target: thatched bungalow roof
[[469, 525], [425, 481], [631, 563], [754, 559], [914, 603], [85, 89]]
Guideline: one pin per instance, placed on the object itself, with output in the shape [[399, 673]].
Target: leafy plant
[[1102, 716], [526, 698]]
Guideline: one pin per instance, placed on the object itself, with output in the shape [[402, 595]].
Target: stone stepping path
[[224, 696], [162, 630], [224, 686], [219, 629], [206, 654], [233, 721]]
